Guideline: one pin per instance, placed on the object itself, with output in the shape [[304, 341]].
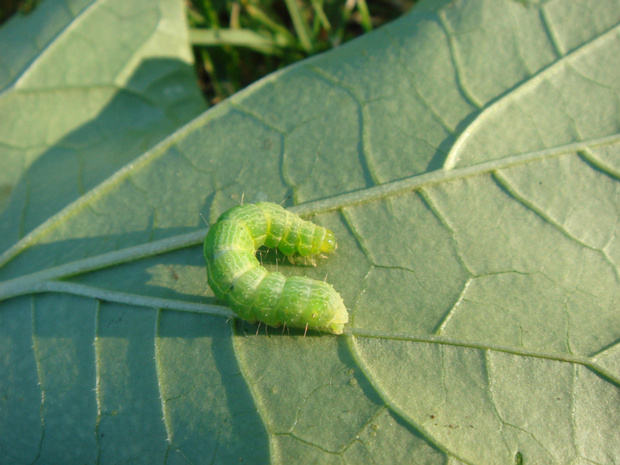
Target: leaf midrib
[[32, 282]]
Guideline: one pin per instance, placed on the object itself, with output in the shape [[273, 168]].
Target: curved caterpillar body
[[234, 274]]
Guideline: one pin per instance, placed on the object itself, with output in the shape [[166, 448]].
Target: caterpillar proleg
[[236, 277]]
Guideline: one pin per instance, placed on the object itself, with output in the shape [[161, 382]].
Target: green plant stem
[[235, 37]]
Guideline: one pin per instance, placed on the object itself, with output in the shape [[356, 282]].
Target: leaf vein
[[507, 97], [504, 183], [443, 340]]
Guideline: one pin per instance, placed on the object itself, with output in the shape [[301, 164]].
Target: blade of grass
[[337, 33], [301, 28], [317, 5], [195, 18], [263, 18], [235, 9], [366, 22], [210, 13], [219, 89]]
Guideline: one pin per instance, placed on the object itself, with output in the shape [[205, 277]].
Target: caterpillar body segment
[[235, 275]]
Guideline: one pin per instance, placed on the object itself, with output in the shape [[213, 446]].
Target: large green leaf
[[467, 157], [85, 87]]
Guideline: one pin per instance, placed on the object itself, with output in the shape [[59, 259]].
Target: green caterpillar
[[236, 277]]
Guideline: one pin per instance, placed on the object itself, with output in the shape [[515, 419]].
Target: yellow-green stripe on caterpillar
[[236, 277]]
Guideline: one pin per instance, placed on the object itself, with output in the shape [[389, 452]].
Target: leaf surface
[[466, 156]]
